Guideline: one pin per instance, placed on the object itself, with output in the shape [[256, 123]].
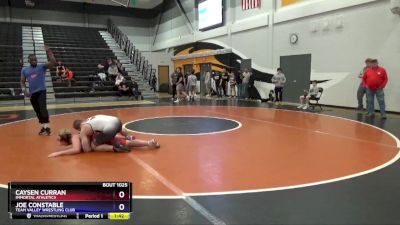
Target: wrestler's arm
[[74, 149]]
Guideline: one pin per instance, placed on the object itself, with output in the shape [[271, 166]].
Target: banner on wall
[[251, 4]]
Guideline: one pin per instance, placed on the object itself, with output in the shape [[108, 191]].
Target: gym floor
[[223, 162]]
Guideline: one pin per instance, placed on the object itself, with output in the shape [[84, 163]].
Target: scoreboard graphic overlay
[[70, 200]]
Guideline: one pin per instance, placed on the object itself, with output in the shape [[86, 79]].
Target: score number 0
[[121, 206]]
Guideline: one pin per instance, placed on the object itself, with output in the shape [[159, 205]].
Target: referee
[[35, 74]]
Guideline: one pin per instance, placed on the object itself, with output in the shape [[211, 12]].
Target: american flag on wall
[[250, 4]]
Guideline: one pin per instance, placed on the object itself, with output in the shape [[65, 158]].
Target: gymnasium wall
[[162, 58], [173, 26], [338, 34], [174, 29], [139, 29], [369, 30]]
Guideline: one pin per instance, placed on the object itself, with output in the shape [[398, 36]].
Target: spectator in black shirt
[[239, 84], [218, 83], [124, 90], [154, 83], [180, 88], [224, 82], [135, 90]]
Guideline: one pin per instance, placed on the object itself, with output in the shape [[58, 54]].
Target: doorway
[[297, 69], [163, 78]]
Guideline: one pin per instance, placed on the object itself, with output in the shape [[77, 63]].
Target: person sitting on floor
[[271, 96], [311, 94]]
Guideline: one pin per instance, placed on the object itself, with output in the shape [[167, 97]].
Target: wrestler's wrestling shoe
[[117, 147], [153, 144]]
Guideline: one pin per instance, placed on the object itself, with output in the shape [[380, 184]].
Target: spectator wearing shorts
[[192, 84], [180, 88]]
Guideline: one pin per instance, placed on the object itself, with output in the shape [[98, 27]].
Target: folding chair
[[315, 100]]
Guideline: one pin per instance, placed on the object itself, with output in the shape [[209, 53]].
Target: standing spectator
[[375, 80], [308, 94], [361, 89], [245, 83], [232, 84], [279, 80], [238, 79], [180, 88], [173, 80], [225, 78], [154, 83], [60, 69], [185, 81], [218, 83], [207, 83], [213, 84], [36, 75], [192, 84]]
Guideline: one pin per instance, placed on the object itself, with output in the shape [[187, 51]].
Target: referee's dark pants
[[39, 104]]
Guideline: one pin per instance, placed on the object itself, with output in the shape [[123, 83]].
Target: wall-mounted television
[[211, 14]]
